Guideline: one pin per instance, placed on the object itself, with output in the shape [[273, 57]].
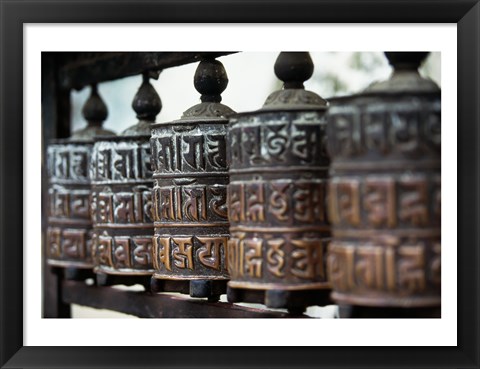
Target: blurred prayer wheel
[[384, 193], [189, 194], [69, 229], [121, 197], [276, 197]]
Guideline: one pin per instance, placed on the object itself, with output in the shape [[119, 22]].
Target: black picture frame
[[465, 13]]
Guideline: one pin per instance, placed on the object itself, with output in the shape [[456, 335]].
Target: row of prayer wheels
[[302, 202]]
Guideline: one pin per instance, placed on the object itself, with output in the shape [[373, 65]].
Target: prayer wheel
[[190, 189], [121, 197], [276, 196], [69, 232], [384, 194]]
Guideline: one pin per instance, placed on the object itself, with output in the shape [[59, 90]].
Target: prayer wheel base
[[73, 274], [199, 288], [295, 301], [106, 280], [76, 274]]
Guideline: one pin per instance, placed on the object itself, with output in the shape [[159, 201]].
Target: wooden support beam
[[147, 305], [82, 69]]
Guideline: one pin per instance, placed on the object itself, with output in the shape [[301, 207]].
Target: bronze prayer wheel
[[121, 197], [384, 194], [276, 197], [190, 188], [69, 229]]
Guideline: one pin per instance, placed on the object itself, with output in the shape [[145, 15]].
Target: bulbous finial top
[[293, 68], [95, 111], [146, 102], [405, 77], [210, 80], [406, 60]]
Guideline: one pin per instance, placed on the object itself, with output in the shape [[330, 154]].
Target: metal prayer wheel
[[384, 194], [276, 197], [69, 231], [121, 197], [189, 196]]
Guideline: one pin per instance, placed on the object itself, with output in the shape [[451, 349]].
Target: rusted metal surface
[[189, 194], [276, 196], [384, 194], [121, 177], [69, 230]]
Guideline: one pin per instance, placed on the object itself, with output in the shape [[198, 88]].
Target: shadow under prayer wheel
[[190, 191], [122, 198], [384, 193], [276, 197], [69, 230]]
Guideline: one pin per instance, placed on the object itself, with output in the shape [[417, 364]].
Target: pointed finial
[[146, 102], [210, 80], [95, 111], [294, 68], [406, 60]]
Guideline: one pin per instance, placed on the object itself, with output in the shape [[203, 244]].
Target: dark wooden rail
[[148, 305], [77, 70]]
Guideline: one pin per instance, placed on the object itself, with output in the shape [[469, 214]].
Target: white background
[[290, 332]]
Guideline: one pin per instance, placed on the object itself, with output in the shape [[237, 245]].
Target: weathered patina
[[69, 231], [276, 197], [190, 192], [121, 197], [384, 194]]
